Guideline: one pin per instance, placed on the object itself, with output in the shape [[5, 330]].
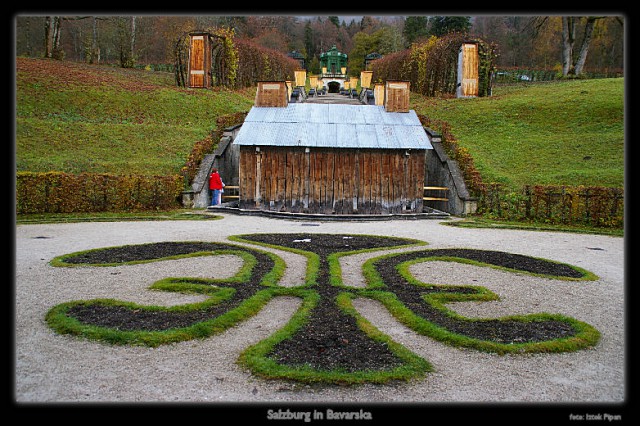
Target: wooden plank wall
[[396, 98], [271, 94], [199, 61], [470, 61], [331, 181]]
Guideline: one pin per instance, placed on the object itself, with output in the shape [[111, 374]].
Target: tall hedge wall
[[58, 192], [556, 204]]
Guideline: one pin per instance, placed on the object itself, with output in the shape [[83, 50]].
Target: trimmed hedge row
[[58, 192], [236, 62], [568, 205], [208, 144], [470, 173]]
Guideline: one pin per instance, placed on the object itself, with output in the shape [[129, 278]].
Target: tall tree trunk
[[586, 41], [50, 23], [94, 57], [133, 39], [52, 37], [568, 38], [569, 65], [126, 41], [57, 52], [27, 31]]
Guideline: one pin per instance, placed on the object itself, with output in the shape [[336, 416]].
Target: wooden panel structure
[[396, 98], [378, 93], [365, 79], [200, 60], [468, 70], [330, 181], [272, 94], [300, 77]]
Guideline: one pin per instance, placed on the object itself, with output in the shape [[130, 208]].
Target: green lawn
[[87, 118], [564, 133]]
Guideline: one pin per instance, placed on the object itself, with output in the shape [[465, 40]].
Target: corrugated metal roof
[[332, 126]]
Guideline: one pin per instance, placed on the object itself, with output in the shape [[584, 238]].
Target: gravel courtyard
[[53, 368]]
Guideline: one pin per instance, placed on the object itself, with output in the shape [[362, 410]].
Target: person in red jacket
[[216, 187]]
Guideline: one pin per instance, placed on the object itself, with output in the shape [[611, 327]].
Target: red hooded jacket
[[214, 181]]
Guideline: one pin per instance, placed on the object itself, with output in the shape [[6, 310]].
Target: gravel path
[[54, 368]]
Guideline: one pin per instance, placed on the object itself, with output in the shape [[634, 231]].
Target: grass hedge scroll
[[327, 340]]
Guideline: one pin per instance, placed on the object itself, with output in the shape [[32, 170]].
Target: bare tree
[[571, 65], [133, 39], [52, 37], [126, 40]]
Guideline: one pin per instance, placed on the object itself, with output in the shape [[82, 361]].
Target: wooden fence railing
[[231, 192], [439, 192]]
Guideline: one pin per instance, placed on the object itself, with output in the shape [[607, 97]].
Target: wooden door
[[469, 70], [197, 61]]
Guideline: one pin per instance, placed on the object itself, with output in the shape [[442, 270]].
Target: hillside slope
[[560, 133], [75, 117]]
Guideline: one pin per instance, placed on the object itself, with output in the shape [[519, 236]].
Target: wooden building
[[332, 159]]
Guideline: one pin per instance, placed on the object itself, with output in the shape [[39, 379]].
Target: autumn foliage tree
[[590, 43]]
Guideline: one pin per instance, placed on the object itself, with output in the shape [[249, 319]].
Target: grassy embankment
[[559, 133], [76, 118], [81, 118]]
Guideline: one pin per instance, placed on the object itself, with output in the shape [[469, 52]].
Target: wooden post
[[365, 79], [258, 196], [306, 172], [301, 77], [378, 93], [313, 81]]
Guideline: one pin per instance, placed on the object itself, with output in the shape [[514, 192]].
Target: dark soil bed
[[124, 318], [331, 338]]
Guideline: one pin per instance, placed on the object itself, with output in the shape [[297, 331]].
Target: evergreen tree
[[414, 28], [308, 40], [442, 25]]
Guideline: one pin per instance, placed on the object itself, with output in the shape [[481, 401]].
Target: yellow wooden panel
[[470, 70], [301, 77]]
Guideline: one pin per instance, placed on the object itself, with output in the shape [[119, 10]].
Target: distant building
[[298, 57], [334, 69], [370, 58]]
